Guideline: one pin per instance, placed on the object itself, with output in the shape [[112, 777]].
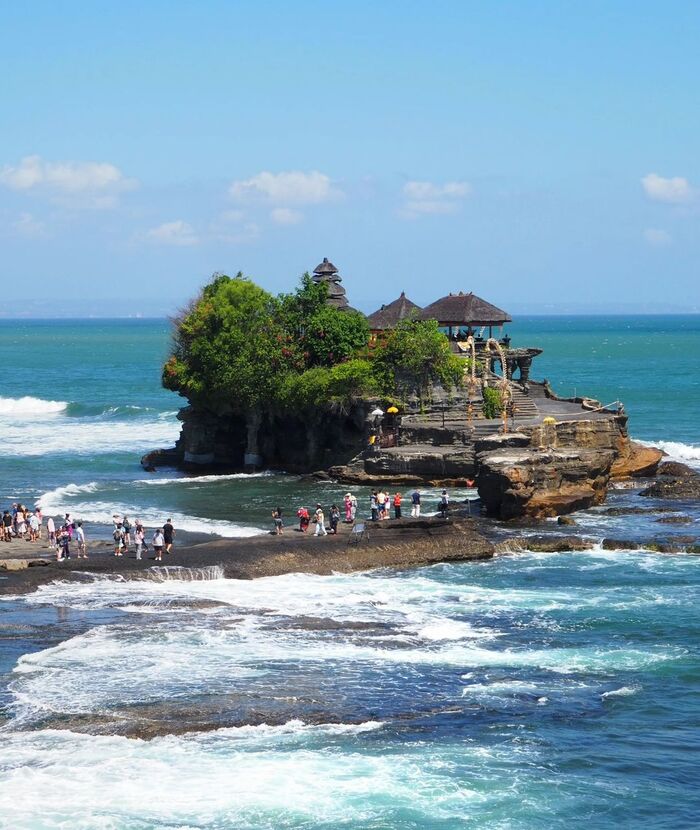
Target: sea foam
[[29, 407]]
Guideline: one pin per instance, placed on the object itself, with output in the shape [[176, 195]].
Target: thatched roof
[[389, 315], [325, 268], [465, 309]]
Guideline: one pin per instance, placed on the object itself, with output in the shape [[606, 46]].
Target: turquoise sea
[[531, 691]]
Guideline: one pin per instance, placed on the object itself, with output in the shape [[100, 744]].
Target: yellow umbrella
[[392, 410]]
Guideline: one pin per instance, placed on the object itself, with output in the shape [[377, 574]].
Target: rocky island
[[305, 383]]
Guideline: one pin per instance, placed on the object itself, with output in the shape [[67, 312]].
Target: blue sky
[[542, 155]]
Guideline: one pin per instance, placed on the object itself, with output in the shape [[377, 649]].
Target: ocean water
[[531, 691]]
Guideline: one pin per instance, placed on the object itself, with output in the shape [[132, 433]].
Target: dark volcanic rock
[[546, 544], [674, 469], [619, 544], [566, 520], [676, 488]]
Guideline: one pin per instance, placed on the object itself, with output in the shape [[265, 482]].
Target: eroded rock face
[[635, 460], [538, 484]]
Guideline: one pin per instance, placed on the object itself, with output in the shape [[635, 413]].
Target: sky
[[541, 154]]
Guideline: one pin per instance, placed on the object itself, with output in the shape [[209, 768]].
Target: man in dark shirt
[[168, 533]]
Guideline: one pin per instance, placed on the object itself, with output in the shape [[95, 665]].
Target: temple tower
[[327, 273]]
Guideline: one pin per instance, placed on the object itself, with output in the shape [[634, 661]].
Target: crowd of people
[[381, 504], [18, 522]]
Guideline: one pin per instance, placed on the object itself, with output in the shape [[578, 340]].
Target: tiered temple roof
[[389, 315], [464, 310], [326, 272]]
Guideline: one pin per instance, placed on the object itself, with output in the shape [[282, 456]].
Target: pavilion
[[460, 315], [388, 316]]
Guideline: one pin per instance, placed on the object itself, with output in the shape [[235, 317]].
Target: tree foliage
[[239, 349]]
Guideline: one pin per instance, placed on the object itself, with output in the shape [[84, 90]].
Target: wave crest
[[30, 407]]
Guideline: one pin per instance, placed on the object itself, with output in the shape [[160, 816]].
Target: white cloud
[[657, 237], [290, 188], [422, 198], [674, 191], [286, 216], [29, 227], [178, 233], [73, 183]]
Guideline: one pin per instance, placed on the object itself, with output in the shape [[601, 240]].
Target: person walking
[[158, 544], [444, 504], [80, 539], [277, 520], [415, 503], [168, 535], [320, 522], [397, 505]]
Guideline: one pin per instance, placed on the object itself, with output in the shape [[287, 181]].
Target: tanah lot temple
[[528, 451], [540, 455]]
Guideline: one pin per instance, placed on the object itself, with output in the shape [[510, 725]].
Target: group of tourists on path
[[162, 539], [380, 505]]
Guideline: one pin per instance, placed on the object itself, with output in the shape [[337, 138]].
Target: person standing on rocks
[[397, 505], [335, 518], [51, 532], [415, 503], [139, 538], [80, 539], [118, 537], [444, 504], [277, 519], [320, 522], [353, 507], [347, 503], [373, 506], [158, 544], [168, 535]]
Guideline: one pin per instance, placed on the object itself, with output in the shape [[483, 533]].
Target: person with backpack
[[118, 537]]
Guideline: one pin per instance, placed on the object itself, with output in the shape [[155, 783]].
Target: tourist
[[347, 503], [118, 537], [415, 503], [353, 507], [139, 538], [374, 510], [397, 505], [320, 520], [303, 516], [80, 538], [158, 544], [126, 526], [34, 528], [381, 504], [168, 535], [40, 518], [64, 538], [277, 519], [335, 518], [7, 526], [444, 504], [21, 523], [51, 532]]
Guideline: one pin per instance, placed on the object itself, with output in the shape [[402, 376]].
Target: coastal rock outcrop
[[635, 460], [675, 488], [528, 482]]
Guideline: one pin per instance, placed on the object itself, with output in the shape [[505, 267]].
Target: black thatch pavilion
[[325, 272], [388, 316], [463, 314]]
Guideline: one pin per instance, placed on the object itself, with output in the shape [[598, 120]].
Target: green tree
[[414, 356]]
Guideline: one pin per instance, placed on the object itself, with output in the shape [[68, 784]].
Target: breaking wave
[[30, 407], [678, 451]]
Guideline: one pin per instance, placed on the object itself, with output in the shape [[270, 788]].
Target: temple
[[326, 273]]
